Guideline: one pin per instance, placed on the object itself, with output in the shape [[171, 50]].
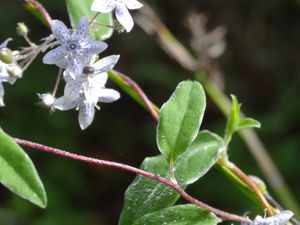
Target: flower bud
[[22, 29], [259, 183], [6, 55]]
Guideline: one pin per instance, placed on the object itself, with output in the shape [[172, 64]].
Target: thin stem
[[57, 82], [124, 167], [153, 110], [239, 173], [94, 18]]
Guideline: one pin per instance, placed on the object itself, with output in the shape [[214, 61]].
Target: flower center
[[88, 70], [73, 45]]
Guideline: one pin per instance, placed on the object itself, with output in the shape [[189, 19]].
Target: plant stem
[[33, 6], [239, 173], [116, 165]]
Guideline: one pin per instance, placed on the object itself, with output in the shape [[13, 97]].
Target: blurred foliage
[[262, 69]]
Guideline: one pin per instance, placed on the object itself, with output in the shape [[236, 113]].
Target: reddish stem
[[99, 162], [41, 10], [150, 106], [238, 172]]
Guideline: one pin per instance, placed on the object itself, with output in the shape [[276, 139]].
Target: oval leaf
[[200, 156], [102, 26], [180, 215], [18, 173], [180, 119], [145, 195]]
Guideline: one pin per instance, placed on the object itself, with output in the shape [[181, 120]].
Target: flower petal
[[124, 17], [73, 89], [4, 43], [93, 47], [64, 103], [106, 64], [60, 31], [75, 67], [56, 56], [103, 6], [1, 90], [91, 90], [108, 95], [86, 115], [82, 28], [133, 4]]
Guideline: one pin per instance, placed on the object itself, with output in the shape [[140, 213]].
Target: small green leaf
[[200, 156], [235, 122], [234, 117], [18, 173], [145, 195], [179, 215], [101, 28], [248, 123], [180, 119]]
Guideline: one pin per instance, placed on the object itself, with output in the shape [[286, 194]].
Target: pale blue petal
[[103, 6], [56, 56], [82, 28], [86, 115], [60, 31], [124, 17], [64, 103], [75, 67], [1, 89], [91, 91], [73, 89], [133, 4], [93, 47], [106, 64], [108, 95]]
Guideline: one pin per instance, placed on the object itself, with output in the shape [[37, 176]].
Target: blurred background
[[260, 65]]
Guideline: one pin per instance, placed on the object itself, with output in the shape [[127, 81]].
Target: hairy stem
[[116, 165]]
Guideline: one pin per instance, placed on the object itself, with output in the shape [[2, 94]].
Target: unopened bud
[[259, 183], [6, 55], [22, 29]]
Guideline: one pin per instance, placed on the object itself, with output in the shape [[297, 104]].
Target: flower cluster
[[85, 77], [77, 56]]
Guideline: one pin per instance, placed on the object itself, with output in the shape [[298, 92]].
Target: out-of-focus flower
[[121, 10]]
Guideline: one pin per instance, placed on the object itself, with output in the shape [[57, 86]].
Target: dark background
[[261, 63]]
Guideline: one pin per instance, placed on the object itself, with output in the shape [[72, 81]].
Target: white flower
[[76, 48], [6, 73], [121, 10], [47, 99], [87, 90], [280, 219]]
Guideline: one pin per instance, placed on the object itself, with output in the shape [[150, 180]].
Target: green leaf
[[127, 88], [197, 160], [101, 28], [233, 119], [179, 215], [180, 119], [145, 195], [235, 122], [248, 123], [18, 173]]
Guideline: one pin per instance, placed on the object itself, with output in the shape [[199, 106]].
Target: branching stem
[[116, 165]]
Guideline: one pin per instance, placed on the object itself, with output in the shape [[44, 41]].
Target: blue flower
[[76, 47]]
